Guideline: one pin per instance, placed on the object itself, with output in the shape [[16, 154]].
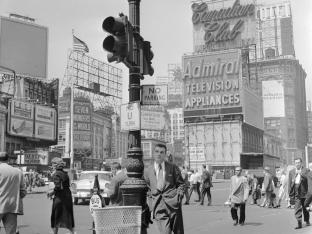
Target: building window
[[282, 11], [268, 10]]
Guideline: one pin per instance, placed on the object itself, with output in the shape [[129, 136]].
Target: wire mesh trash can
[[117, 220]]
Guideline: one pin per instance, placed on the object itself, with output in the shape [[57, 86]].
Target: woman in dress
[[62, 208]]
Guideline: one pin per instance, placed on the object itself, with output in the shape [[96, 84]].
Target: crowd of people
[[167, 185]]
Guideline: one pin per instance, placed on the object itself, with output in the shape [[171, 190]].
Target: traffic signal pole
[[134, 188]]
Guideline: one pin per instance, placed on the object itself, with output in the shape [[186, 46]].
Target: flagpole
[[72, 127]]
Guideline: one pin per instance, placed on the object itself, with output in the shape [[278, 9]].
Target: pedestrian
[[256, 191], [62, 215], [12, 191], [186, 184], [309, 194], [198, 183], [238, 196], [282, 189], [206, 185], [116, 182], [267, 188], [193, 184], [298, 191], [166, 189]]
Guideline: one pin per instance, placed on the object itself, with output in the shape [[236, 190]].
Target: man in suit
[[12, 190], [298, 191], [206, 185], [166, 189], [238, 196], [116, 182], [268, 188]]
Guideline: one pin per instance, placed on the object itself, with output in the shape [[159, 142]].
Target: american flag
[[79, 45]]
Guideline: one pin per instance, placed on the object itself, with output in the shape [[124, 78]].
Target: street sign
[[152, 118], [154, 94], [130, 116], [18, 151]]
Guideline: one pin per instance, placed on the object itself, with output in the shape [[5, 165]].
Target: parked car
[[82, 188]]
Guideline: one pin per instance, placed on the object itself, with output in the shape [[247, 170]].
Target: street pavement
[[213, 219]]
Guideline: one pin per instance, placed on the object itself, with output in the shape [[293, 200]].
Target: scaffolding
[[100, 82]]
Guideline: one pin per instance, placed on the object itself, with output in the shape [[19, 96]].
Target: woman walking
[[62, 208]]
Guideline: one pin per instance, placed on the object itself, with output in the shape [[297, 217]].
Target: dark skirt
[[62, 210]]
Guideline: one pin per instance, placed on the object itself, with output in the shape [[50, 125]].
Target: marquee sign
[[218, 28]]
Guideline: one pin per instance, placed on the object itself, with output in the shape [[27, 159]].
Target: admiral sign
[[230, 24], [212, 83]]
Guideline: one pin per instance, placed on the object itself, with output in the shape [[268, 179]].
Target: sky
[[166, 24]]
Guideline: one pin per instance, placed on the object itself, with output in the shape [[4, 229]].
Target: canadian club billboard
[[217, 26], [212, 83]]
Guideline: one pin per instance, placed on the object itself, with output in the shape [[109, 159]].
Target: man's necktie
[[160, 178]]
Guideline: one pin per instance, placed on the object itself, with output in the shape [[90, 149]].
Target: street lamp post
[[134, 188]]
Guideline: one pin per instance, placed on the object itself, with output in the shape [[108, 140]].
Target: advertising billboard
[[219, 25], [45, 123], [21, 119], [82, 127], [24, 47], [273, 98], [212, 83]]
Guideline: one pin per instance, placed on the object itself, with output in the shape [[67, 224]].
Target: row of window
[[272, 12]]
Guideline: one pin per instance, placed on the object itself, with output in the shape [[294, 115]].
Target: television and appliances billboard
[[212, 83]]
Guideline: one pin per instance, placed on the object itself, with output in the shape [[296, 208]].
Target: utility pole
[[126, 45]]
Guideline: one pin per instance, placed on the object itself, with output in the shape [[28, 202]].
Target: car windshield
[[90, 176]]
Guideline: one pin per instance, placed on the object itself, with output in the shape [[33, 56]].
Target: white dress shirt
[[156, 166]]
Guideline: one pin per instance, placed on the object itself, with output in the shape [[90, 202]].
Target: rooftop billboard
[[212, 83], [223, 24], [24, 47]]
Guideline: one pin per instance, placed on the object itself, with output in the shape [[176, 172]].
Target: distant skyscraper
[[274, 28]]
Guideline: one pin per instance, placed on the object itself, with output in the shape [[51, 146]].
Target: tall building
[[274, 28]]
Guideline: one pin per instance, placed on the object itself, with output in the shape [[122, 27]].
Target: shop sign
[[45, 121]]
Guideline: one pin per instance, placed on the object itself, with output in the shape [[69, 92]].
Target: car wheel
[[106, 199], [75, 201]]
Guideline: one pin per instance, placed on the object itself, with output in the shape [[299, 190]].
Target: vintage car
[[82, 188]]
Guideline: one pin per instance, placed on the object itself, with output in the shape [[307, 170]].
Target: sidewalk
[[36, 190]]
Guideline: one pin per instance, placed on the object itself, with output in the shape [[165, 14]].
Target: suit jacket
[[309, 178], [268, 183], [239, 189], [303, 184], [115, 192], [168, 199], [12, 189], [206, 179]]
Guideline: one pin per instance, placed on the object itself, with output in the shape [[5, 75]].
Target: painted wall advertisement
[[223, 25], [21, 119], [212, 83], [45, 123], [273, 98], [82, 128]]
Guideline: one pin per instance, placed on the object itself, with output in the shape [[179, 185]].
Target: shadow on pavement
[[253, 224]]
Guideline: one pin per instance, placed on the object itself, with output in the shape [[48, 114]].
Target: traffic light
[[146, 56], [120, 43]]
